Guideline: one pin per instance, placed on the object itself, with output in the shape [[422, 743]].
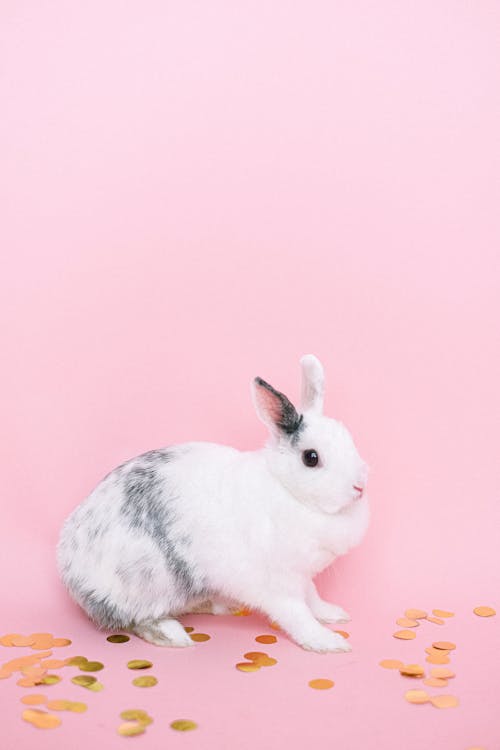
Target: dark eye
[[310, 458]]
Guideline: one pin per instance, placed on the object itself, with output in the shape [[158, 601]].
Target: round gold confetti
[[188, 629], [77, 707], [444, 701], [442, 613], [321, 684], [42, 641], [343, 633], [22, 640], [435, 682], [58, 705], [433, 659], [266, 639], [484, 611], [41, 719], [146, 681], [183, 725], [118, 638], [139, 664], [405, 622], [84, 680], [53, 663], [93, 666], [51, 679], [415, 614], [435, 620], [33, 700], [76, 661], [444, 645], [416, 696], [391, 663], [136, 714], [131, 728], [404, 635], [58, 642], [199, 637], [248, 666], [260, 658], [412, 670], [5, 640], [442, 672]]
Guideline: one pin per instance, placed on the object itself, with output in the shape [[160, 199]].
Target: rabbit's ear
[[313, 384], [274, 409]]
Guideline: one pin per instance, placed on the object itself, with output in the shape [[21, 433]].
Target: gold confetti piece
[[22, 640], [442, 613], [41, 719], [412, 670], [436, 651], [33, 672], [415, 614], [416, 696], [391, 663], [5, 640], [444, 701], [188, 629], [58, 642], [139, 664], [404, 635], [131, 728], [266, 639], [53, 663], [321, 684], [118, 638], [435, 682], [432, 659], [76, 661], [84, 680], [435, 620], [260, 658], [50, 679], [33, 700], [444, 645], [4, 673], [484, 611], [248, 666], [183, 725], [95, 666], [199, 637], [29, 681], [42, 641], [77, 707], [342, 633], [405, 622], [58, 705], [146, 681], [274, 626], [136, 714], [442, 672], [96, 687]]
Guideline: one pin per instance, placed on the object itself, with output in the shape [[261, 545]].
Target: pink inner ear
[[269, 404]]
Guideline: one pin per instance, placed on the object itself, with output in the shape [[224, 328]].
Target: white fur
[[256, 526]]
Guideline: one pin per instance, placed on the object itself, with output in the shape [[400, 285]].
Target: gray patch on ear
[[288, 420], [146, 507]]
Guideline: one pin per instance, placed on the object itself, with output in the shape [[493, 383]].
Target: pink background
[[195, 193]]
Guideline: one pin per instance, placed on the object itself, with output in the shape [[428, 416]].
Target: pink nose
[[359, 489]]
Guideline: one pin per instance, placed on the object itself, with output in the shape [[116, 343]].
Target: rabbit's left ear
[[275, 409], [313, 384]]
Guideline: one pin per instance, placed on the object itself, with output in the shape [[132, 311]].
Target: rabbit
[[202, 527]]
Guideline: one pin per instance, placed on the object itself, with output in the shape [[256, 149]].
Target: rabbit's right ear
[[313, 384], [275, 409]]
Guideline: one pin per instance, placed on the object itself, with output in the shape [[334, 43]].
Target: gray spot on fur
[[99, 608], [146, 508]]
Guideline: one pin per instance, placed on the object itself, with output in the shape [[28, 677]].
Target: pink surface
[[196, 193]]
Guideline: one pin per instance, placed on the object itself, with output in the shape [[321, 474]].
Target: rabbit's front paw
[[326, 641], [326, 612]]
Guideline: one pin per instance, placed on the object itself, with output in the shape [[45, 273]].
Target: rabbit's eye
[[310, 458]]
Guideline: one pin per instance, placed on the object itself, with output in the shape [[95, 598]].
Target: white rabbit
[[204, 527]]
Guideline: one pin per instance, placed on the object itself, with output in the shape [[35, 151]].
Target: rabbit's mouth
[[360, 491]]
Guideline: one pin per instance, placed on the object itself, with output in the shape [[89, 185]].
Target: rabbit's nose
[[359, 489]]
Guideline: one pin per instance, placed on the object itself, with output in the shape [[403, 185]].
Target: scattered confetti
[[199, 637], [405, 622], [260, 658], [183, 725], [266, 639], [435, 682], [89, 682], [416, 696], [484, 611], [33, 700], [131, 728], [415, 614], [404, 635], [136, 714], [444, 645], [412, 670], [435, 620], [63, 705], [188, 629], [442, 672], [41, 719], [139, 664], [442, 613], [118, 638], [321, 684], [444, 701], [21, 640], [146, 681], [391, 663], [248, 666], [50, 679], [93, 666]]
